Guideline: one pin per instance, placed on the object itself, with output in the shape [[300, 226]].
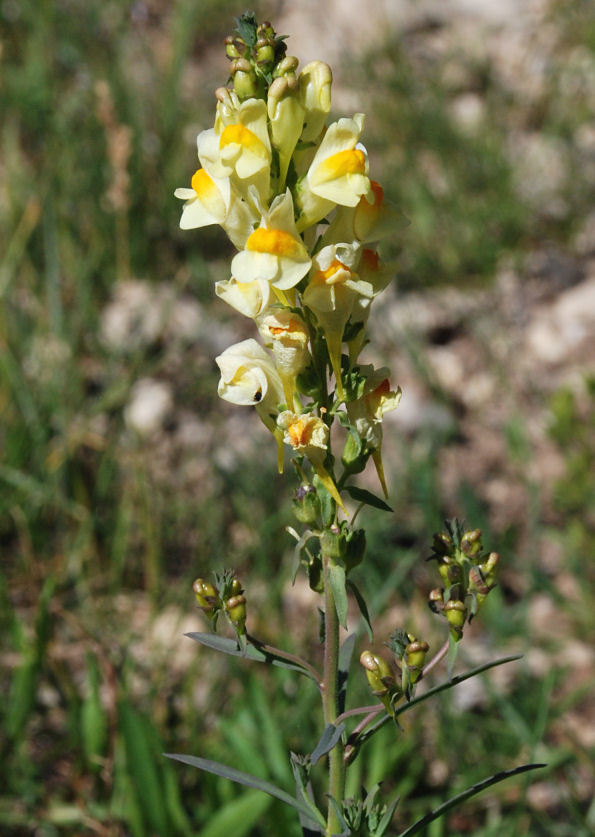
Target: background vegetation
[[123, 477]]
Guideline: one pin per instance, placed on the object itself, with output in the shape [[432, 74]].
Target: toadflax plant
[[296, 199]]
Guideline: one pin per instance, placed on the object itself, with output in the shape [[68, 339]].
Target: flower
[[274, 251], [286, 117], [306, 434], [249, 298], [371, 219], [332, 291], [378, 275], [315, 95], [338, 174], [367, 412], [249, 378], [287, 333]]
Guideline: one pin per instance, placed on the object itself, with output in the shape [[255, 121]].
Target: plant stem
[[330, 697]]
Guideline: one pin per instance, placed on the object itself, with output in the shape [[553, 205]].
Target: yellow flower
[[249, 298], [308, 435], [287, 334], [372, 219], [315, 94], [367, 412], [338, 173], [274, 251], [207, 202], [286, 118], [333, 288], [249, 378]]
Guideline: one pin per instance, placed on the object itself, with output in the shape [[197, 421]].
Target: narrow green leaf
[[337, 579], [238, 816], [253, 652], [364, 496], [140, 762], [387, 818], [453, 650], [363, 608], [243, 779], [345, 656], [466, 794], [405, 707], [328, 740]]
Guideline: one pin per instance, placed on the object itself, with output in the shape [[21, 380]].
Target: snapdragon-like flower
[[274, 251], [286, 116], [372, 219], [287, 334], [333, 287], [367, 412], [249, 378], [338, 174], [308, 435], [249, 298]]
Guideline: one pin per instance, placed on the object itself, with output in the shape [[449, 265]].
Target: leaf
[[301, 766], [140, 763], [466, 794], [242, 778], [387, 818], [230, 646], [238, 816], [337, 579], [364, 496], [460, 678], [345, 655], [453, 650], [363, 608], [328, 740]]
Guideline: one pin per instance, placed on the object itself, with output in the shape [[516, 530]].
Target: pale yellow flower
[[286, 118], [274, 251], [372, 219], [249, 378], [249, 298], [367, 412], [338, 173], [378, 275], [287, 334], [333, 288], [315, 94]]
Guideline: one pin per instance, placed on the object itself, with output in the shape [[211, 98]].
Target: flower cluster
[[296, 199]]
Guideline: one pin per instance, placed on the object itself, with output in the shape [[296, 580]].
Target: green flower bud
[[306, 506], [206, 595], [378, 672], [415, 655], [442, 543], [456, 613], [450, 572], [488, 568], [436, 599], [235, 47], [244, 78], [235, 607], [265, 31], [265, 53], [286, 67], [331, 543], [471, 542], [236, 587]]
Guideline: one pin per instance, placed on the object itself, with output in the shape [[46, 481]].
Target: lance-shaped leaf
[[328, 740], [301, 766], [252, 652], [345, 655], [247, 779], [466, 794], [387, 818], [460, 678], [363, 608], [361, 495]]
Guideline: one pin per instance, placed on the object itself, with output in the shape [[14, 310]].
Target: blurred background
[[123, 476]]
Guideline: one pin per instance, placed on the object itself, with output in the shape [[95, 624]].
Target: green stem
[[330, 697]]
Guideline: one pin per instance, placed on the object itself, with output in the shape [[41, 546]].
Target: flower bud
[[315, 93], [235, 46], [286, 67], [355, 547], [244, 78], [450, 572], [471, 542], [235, 607], [415, 655], [378, 672], [265, 30], [456, 613], [306, 506], [488, 568], [354, 456], [442, 543], [436, 600], [205, 594]]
